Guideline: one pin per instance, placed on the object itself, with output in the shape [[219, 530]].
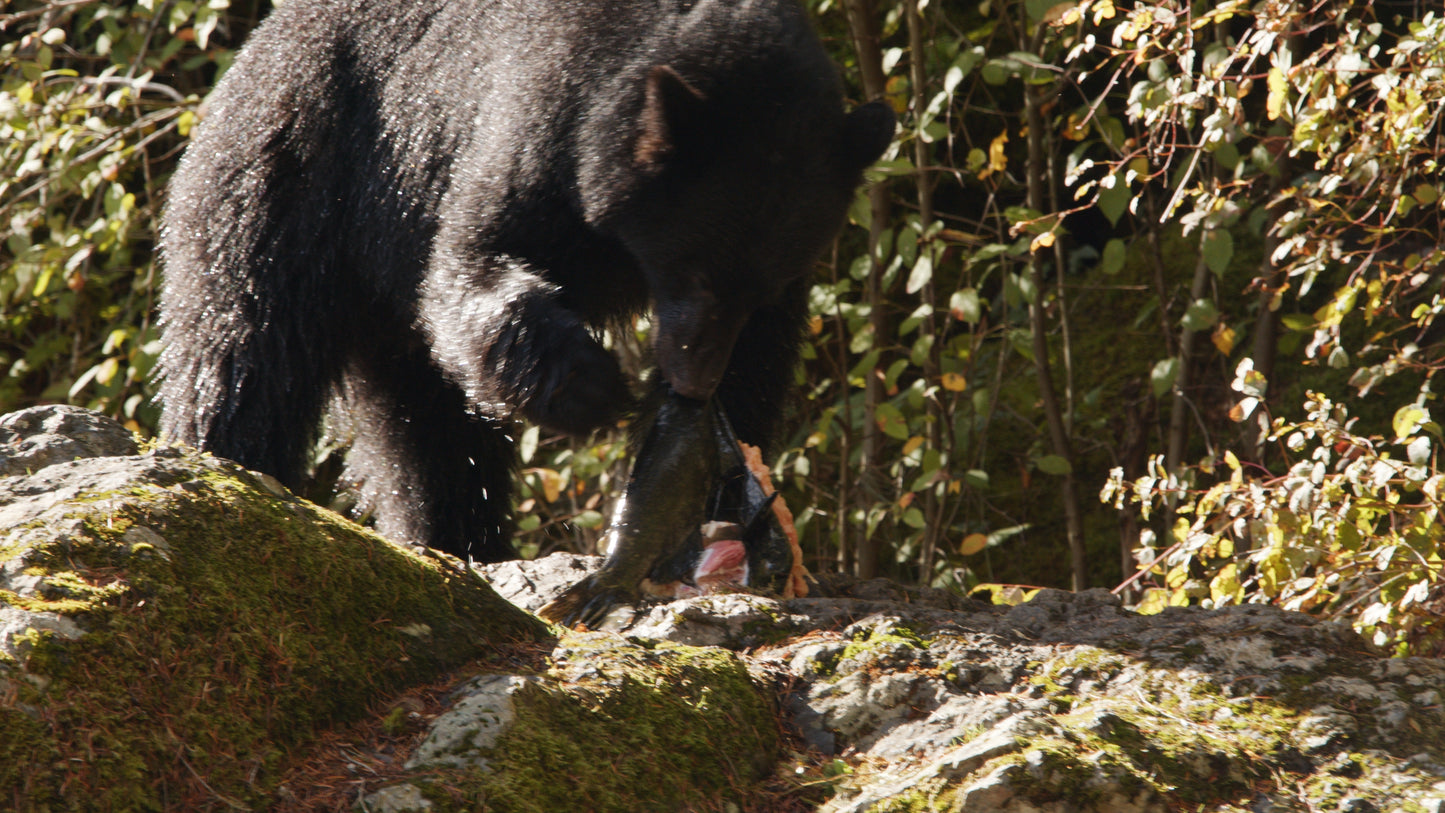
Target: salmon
[[694, 518]]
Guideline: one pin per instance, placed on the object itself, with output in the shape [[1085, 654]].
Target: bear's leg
[[432, 472], [242, 388]]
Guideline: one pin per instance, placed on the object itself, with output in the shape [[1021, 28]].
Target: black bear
[[423, 212]]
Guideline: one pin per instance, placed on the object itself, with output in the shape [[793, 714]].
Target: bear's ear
[[867, 132], [670, 108]]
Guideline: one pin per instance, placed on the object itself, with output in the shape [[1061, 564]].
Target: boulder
[[173, 628]]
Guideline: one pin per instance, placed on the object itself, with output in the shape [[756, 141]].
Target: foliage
[[1320, 128], [94, 100], [1350, 530]]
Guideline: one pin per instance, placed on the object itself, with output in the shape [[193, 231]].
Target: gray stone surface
[[1072, 703], [41, 436], [481, 710]]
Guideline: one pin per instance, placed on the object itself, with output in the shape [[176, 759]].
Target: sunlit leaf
[[1278, 90], [964, 305], [1408, 420]]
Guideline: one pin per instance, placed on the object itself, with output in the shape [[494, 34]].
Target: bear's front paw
[[547, 366], [578, 389]]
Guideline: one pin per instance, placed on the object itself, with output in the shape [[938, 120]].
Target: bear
[[420, 217]]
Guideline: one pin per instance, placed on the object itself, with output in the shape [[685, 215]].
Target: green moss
[[223, 630], [664, 728], [925, 797], [884, 636]]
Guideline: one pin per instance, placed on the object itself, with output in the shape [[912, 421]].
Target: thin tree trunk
[[1266, 323], [1179, 409], [932, 505], [1058, 435], [863, 24]]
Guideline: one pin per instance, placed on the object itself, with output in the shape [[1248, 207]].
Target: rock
[[1072, 703], [174, 631], [465, 735], [532, 583], [171, 630], [403, 798], [34, 438], [623, 725]]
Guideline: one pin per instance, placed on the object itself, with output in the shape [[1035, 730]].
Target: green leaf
[[913, 518], [998, 71], [891, 421], [1162, 377], [1054, 464], [1115, 252], [1038, 9], [1022, 341], [1018, 289], [1227, 155], [1114, 200], [1201, 315], [921, 275], [963, 304], [1218, 250]]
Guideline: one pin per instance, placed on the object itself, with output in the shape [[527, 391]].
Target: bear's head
[[735, 190]]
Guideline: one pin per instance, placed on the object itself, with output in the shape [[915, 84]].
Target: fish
[[694, 518]]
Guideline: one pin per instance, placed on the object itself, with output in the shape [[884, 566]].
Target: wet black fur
[[420, 211]]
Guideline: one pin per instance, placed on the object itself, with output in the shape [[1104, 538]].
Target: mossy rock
[[617, 724], [173, 627]]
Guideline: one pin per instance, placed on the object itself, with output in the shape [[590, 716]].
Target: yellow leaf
[[1223, 338], [953, 382], [896, 93], [973, 543], [1042, 241], [1231, 460], [1154, 602], [997, 161], [1076, 128], [1225, 588], [1278, 88], [1103, 11], [1177, 576], [912, 445], [815, 324], [551, 484]]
